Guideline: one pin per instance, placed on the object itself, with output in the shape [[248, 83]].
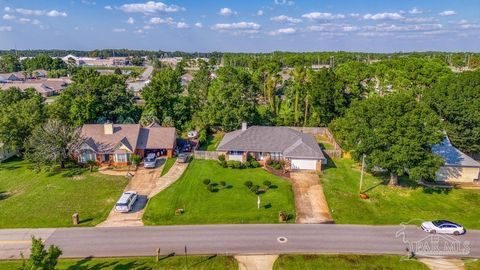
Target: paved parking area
[[310, 203]]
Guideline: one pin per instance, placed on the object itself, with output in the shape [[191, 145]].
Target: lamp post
[[258, 201], [361, 174]]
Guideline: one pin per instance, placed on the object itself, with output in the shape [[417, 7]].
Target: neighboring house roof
[[289, 142], [40, 87], [452, 155], [129, 136]]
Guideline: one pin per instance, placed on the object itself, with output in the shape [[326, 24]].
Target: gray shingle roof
[[453, 156], [289, 142]]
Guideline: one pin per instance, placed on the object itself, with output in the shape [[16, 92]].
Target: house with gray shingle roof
[[458, 167], [300, 151], [115, 143]]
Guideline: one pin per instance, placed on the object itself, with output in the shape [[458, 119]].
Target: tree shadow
[[436, 190], [205, 260], [330, 164], [273, 187], [86, 220], [115, 265], [267, 206], [73, 172]]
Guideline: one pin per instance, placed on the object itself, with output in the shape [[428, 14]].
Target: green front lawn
[[168, 165], [140, 263], [232, 204], [338, 262], [393, 205], [212, 142], [34, 200]]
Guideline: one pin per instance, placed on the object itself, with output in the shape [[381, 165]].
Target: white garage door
[[304, 164]]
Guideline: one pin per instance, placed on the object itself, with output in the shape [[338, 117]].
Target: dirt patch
[[256, 262], [310, 203]]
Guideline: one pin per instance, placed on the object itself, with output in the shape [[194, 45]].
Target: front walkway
[[147, 183], [310, 203], [255, 262]]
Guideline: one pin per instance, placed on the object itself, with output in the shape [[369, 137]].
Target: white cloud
[[283, 31], [158, 20], [383, 16], [130, 20], [284, 2], [139, 31], [285, 19], [333, 27], [420, 20], [5, 28], [403, 28], [119, 30], [182, 25], [35, 22], [8, 17], [260, 12], [146, 27], [415, 11], [322, 16], [8, 9], [226, 11], [150, 7], [33, 12], [198, 25], [469, 26], [24, 20], [238, 28], [447, 13], [108, 7]]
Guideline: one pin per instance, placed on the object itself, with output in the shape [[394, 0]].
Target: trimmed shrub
[[276, 166], [267, 183], [223, 183], [269, 162], [247, 164], [223, 163], [210, 187], [254, 188], [254, 164], [206, 181], [221, 157], [248, 184]]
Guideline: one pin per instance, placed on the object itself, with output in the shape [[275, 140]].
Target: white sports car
[[443, 226]]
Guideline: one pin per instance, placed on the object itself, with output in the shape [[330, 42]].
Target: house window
[[121, 158], [85, 157], [259, 156], [236, 153], [276, 155]]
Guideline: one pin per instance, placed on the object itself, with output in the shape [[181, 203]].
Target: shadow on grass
[[86, 264], [205, 260], [330, 164], [86, 220]]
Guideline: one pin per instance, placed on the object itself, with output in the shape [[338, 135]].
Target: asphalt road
[[237, 239]]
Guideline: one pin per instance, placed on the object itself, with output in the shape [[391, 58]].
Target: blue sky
[[246, 26]]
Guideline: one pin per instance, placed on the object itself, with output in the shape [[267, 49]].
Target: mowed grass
[[168, 165], [31, 200], [140, 263], [212, 141], [346, 262], [233, 204], [393, 205]]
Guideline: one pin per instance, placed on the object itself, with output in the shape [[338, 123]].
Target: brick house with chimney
[[114, 144]]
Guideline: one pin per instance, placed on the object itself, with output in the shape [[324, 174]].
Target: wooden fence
[[209, 155]]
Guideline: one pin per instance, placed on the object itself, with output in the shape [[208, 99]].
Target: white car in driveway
[[126, 202], [150, 161], [443, 226]]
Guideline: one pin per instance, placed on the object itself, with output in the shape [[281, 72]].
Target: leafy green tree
[[41, 259], [456, 99], [50, 144], [162, 93], [9, 63], [395, 133], [198, 94], [20, 112], [94, 97], [231, 99]]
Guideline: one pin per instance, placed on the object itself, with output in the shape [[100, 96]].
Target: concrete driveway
[[143, 182], [310, 203]]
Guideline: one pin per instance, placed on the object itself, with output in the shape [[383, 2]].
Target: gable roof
[[289, 142], [157, 137], [125, 134], [452, 155]]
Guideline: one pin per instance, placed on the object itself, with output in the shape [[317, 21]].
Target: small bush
[[221, 157], [234, 164], [223, 183], [254, 188], [223, 164], [210, 187], [254, 164], [248, 184], [206, 181], [267, 183], [250, 157], [269, 162], [276, 166], [247, 164]]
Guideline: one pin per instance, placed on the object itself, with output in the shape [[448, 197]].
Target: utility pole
[[361, 175]]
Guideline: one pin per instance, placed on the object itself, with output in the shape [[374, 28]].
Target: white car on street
[[150, 161], [126, 202], [443, 226]]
